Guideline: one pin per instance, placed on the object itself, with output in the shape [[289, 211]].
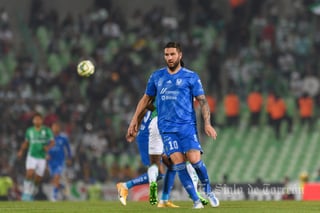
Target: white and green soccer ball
[[85, 68]]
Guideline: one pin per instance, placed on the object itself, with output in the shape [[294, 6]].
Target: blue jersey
[[143, 138], [57, 153], [175, 94], [143, 130]]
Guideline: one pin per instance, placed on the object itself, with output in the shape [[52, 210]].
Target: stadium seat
[[245, 154], [44, 37], [54, 63]]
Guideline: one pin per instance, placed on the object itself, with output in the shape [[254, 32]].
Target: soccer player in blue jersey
[[175, 88], [57, 159]]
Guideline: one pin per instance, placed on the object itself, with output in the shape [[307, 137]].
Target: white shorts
[[155, 140], [38, 165]]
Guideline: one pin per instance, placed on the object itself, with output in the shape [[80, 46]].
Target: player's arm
[[205, 111], [139, 113], [23, 148], [131, 138]]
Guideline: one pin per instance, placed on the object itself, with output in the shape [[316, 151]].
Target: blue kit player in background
[[148, 158], [175, 88], [56, 159], [142, 139]]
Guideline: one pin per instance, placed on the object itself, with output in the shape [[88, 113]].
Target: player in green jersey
[[38, 140]]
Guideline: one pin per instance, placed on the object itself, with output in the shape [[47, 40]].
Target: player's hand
[[131, 138], [210, 131], [132, 130]]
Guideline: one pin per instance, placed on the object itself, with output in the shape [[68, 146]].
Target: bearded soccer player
[[175, 88], [38, 141]]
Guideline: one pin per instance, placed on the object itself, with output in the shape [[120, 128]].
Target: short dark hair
[[173, 44], [37, 114]]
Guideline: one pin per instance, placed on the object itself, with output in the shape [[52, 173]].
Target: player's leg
[[39, 172], [191, 146], [194, 156], [55, 172], [156, 170], [55, 187], [173, 149], [123, 187], [28, 183], [167, 184], [195, 179]]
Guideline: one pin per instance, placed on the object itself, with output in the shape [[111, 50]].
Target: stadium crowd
[[256, 47]]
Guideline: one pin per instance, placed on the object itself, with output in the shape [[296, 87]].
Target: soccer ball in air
[[85, 68]]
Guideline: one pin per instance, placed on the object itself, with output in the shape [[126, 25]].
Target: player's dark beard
[[174, 66]]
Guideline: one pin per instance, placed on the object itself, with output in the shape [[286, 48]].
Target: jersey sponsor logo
[[163, 90], [168, 95]]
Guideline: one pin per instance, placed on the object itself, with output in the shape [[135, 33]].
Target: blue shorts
[[143, 146], [56, 169], [183, 141]]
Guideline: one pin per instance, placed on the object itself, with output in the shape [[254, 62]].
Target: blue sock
[[55, 192], [202, 173], [160, 176], [168, 184], [142, 179], [186, 180]]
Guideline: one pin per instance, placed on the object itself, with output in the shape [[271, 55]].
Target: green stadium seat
[[54, 63], [44, 37]]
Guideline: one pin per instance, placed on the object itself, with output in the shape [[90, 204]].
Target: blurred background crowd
[[249, 54]]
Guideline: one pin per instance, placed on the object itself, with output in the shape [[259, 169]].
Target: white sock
[[28, 187], [153, 172], [193, 175]]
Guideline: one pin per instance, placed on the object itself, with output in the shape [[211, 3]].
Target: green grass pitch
[[114, 206]]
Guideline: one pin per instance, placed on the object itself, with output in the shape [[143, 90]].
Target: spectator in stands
[[6, 184], [311, 83], [111, 29], [255, 102], [278, 110], [305, 105], [214, 69], [232, 108], [296, 85], [303, 179], [269, 102]]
